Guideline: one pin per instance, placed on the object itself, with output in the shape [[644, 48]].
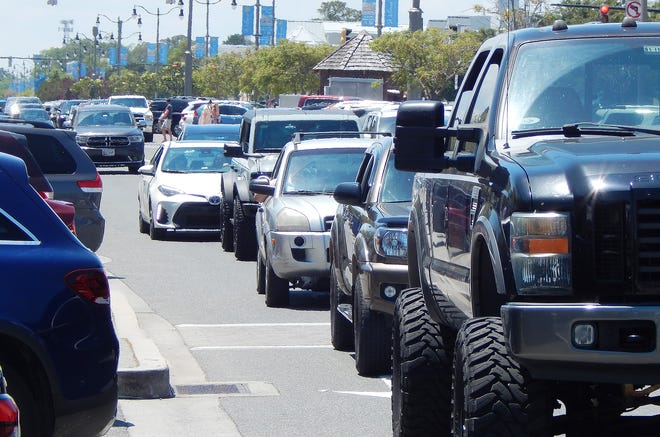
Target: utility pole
[[415, 17]]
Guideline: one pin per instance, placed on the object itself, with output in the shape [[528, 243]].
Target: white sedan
[[180, 188]]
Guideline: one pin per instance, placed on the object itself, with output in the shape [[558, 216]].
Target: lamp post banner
[[369, 13], [151, 53], [200, 45], [391, 13], [281, 29], [266, 25], [112, 56], [162, 56], [213, 46], [123, 58], [248, 21]]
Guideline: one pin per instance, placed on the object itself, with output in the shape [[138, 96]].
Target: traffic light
[[604, 11], [344, 35]]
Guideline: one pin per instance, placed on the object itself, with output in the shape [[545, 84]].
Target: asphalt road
[[239, 368]]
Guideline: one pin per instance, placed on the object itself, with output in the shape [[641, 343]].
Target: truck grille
[[108, 141], [627, 245], [648, 243], [328, 222]]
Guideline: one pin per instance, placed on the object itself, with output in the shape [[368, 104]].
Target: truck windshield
[[273, 135], [609, 81]]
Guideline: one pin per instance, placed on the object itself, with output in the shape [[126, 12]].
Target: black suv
[[534, 238], [72, 174], [368, 256]]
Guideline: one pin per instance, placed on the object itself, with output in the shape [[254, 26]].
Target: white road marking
[[374, 394], [248, 325], [310, 346]]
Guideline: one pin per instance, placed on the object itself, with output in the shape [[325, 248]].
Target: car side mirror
[[348, 193], [148, 170], [233, 150], [262, 185]]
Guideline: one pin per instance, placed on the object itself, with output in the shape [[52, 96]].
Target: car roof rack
[[297, 137], [33, 123]]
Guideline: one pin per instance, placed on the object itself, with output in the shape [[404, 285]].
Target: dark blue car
[[59, 351]]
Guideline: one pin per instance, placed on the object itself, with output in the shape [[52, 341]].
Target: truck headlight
[[391, 242], [541, 253], [291, 220], [135, 138], [169, 191], [82, 139]]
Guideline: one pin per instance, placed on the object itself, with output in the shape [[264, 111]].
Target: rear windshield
[[133, 102], [52, 156], [273, 135]]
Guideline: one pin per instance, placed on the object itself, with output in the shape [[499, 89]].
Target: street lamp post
[[187, 77], [119, 24], [158, 14], [257, 33], [207, 38]]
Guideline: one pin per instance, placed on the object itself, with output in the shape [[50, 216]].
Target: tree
[[235, 40], [220, 77], [284, 68], [429, 60], [336, 10]]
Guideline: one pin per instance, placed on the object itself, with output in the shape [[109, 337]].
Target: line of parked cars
[[59, 349]]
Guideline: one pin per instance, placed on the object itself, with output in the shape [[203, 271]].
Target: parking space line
[[248, 325], [310, 346]]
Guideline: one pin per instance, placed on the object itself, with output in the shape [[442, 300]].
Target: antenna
[[66, 28]]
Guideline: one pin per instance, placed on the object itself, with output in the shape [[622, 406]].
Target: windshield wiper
[[575, 130]]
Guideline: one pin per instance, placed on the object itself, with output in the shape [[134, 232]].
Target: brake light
[[8, 417], [46, 194], [90, 284], [92, 186]]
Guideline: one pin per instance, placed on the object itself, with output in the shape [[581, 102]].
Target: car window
[[11, 231], [397, 184], [195, 160], [52, 156], [273, 135], [104, 118], [320, 171], [193, 134], [134, 102]]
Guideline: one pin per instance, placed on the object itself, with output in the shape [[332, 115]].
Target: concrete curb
[[143, 373]]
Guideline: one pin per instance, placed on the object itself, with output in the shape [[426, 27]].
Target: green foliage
[[284, 68], [429, 60], [221, 76], [236, 40], [336, 10]]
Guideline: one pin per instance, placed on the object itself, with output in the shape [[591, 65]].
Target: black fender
[[242, 190], [488, 240]]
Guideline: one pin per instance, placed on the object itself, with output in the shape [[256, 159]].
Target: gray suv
[[71, 173]]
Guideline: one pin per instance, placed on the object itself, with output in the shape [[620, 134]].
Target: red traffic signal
[[604, 11]]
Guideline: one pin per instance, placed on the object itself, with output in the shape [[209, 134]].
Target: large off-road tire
[[276, 288], [422, 354], [227, 232], [341, 330], [493, 394], [35, 419], [261, 274], [245, 238], [373, 337]]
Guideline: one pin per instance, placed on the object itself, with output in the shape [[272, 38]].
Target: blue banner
[[248, 21], [163, 48], [112, 56], [123, 57], [281, 30], [266, 24], [391, 13], [151, 53], [213, 46], [368, 13], [200, 47]]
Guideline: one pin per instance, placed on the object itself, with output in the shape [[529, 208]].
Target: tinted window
[[320, 171], [273, 135], [397, 185], [10, 231], [52, 156]]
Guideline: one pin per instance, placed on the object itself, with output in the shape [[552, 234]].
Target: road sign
[[634, 9]]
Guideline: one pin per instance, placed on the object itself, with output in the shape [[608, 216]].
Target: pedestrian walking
[[215, 114], [206, 115], [166, 120]]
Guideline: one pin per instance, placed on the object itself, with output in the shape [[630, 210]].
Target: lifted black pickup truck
[[534, 238]]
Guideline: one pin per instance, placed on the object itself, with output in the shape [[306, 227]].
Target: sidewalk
[[143, 373]]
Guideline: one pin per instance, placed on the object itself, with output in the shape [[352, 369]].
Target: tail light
[[92, 186], [90, 284], [9, 426], [46, 194]]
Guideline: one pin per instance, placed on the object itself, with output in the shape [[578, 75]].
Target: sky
[[30, 26]]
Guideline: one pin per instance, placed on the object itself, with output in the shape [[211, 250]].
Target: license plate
[[108, 152]]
